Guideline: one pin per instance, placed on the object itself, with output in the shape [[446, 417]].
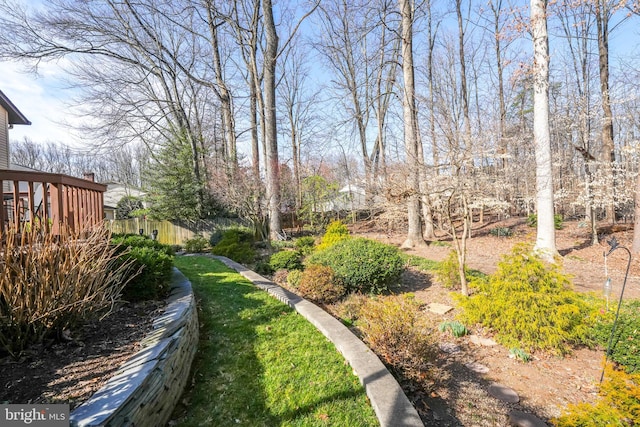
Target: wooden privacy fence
[[172, 232], [52, 200]]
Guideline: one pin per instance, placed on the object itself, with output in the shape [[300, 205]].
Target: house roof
[[15, 116]]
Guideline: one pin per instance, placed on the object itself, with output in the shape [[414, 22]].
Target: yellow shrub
[[619, 403]]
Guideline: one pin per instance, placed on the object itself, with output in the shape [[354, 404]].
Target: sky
[[41, 98]]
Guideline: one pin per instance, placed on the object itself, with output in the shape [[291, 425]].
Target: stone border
[[391, 405], [145, 389]]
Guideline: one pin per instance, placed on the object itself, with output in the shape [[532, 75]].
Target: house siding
[[4, 139]]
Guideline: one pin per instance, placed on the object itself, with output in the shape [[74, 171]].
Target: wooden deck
[[54, 200]]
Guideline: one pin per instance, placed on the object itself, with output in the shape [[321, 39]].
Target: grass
[[261, 364]]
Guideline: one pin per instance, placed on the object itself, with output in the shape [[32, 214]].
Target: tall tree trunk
[[414, 232], [464, 93], [635, 246], [226, 101], [271, 131], [608, 149], [546, 237]]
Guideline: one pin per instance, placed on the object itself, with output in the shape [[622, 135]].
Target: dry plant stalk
[[51, 282]]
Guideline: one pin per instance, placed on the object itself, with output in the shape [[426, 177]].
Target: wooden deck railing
[[54, 200]]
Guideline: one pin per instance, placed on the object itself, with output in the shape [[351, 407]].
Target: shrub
[[262, 267], [528, 304], [363, 265], [336, 232], [195, 245], [49, 283], [305, 245], [626, 340], [215, 237], [293, 278], [136, 241], [532, 221], [395, 329], [318, 283], [618, 405], [448, 273], [236, 244], [150, 261], [152, 281], [349, 308], [288, 260], [501, 232]]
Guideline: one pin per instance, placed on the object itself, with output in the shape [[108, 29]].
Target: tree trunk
[[546, 238], [271, 131], [635, 246], [608, 149], [414, 232]]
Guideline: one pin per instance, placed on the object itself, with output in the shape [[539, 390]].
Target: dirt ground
[[72, 370], [546, 384]]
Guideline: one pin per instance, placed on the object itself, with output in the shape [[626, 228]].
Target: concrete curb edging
[[391, 405], [146, 388]]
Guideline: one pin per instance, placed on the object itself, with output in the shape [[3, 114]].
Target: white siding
[[4, 139]]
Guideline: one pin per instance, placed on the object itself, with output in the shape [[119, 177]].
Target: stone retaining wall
[[145, 390]]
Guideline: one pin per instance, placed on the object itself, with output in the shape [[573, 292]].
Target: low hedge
[[361, 264], [151, 264]]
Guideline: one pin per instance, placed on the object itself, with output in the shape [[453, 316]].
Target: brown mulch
[[547, 384], [70, 371]]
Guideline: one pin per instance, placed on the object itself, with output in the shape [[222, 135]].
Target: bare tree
[[414, 232], [546, 237]]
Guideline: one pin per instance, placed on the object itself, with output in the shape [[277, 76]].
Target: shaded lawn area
[[259, 363]]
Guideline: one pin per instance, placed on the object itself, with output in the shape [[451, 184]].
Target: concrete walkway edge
[[391, 405]]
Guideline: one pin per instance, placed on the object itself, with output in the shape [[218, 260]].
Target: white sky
[[41, 99]]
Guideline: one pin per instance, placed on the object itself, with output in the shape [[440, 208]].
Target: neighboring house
[[349, 198], [115, 192]]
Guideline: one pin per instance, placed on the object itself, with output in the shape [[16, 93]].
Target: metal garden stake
[[613, 244]]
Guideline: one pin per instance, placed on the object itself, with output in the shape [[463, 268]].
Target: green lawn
[[259, 363]]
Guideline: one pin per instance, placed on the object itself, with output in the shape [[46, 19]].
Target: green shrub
[[236, 244], [457, 329], [136, 241], [336, 232], [448, 273], [305, 245], [626, 341], [293, 278], [150, 261], [262, 267], [532, 221], [287, 260], [396, 330], [195, 245], [529, 305], [216, 236], [363, 265], [318, 283], [501, 232], [153, 276], [618, 405]]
